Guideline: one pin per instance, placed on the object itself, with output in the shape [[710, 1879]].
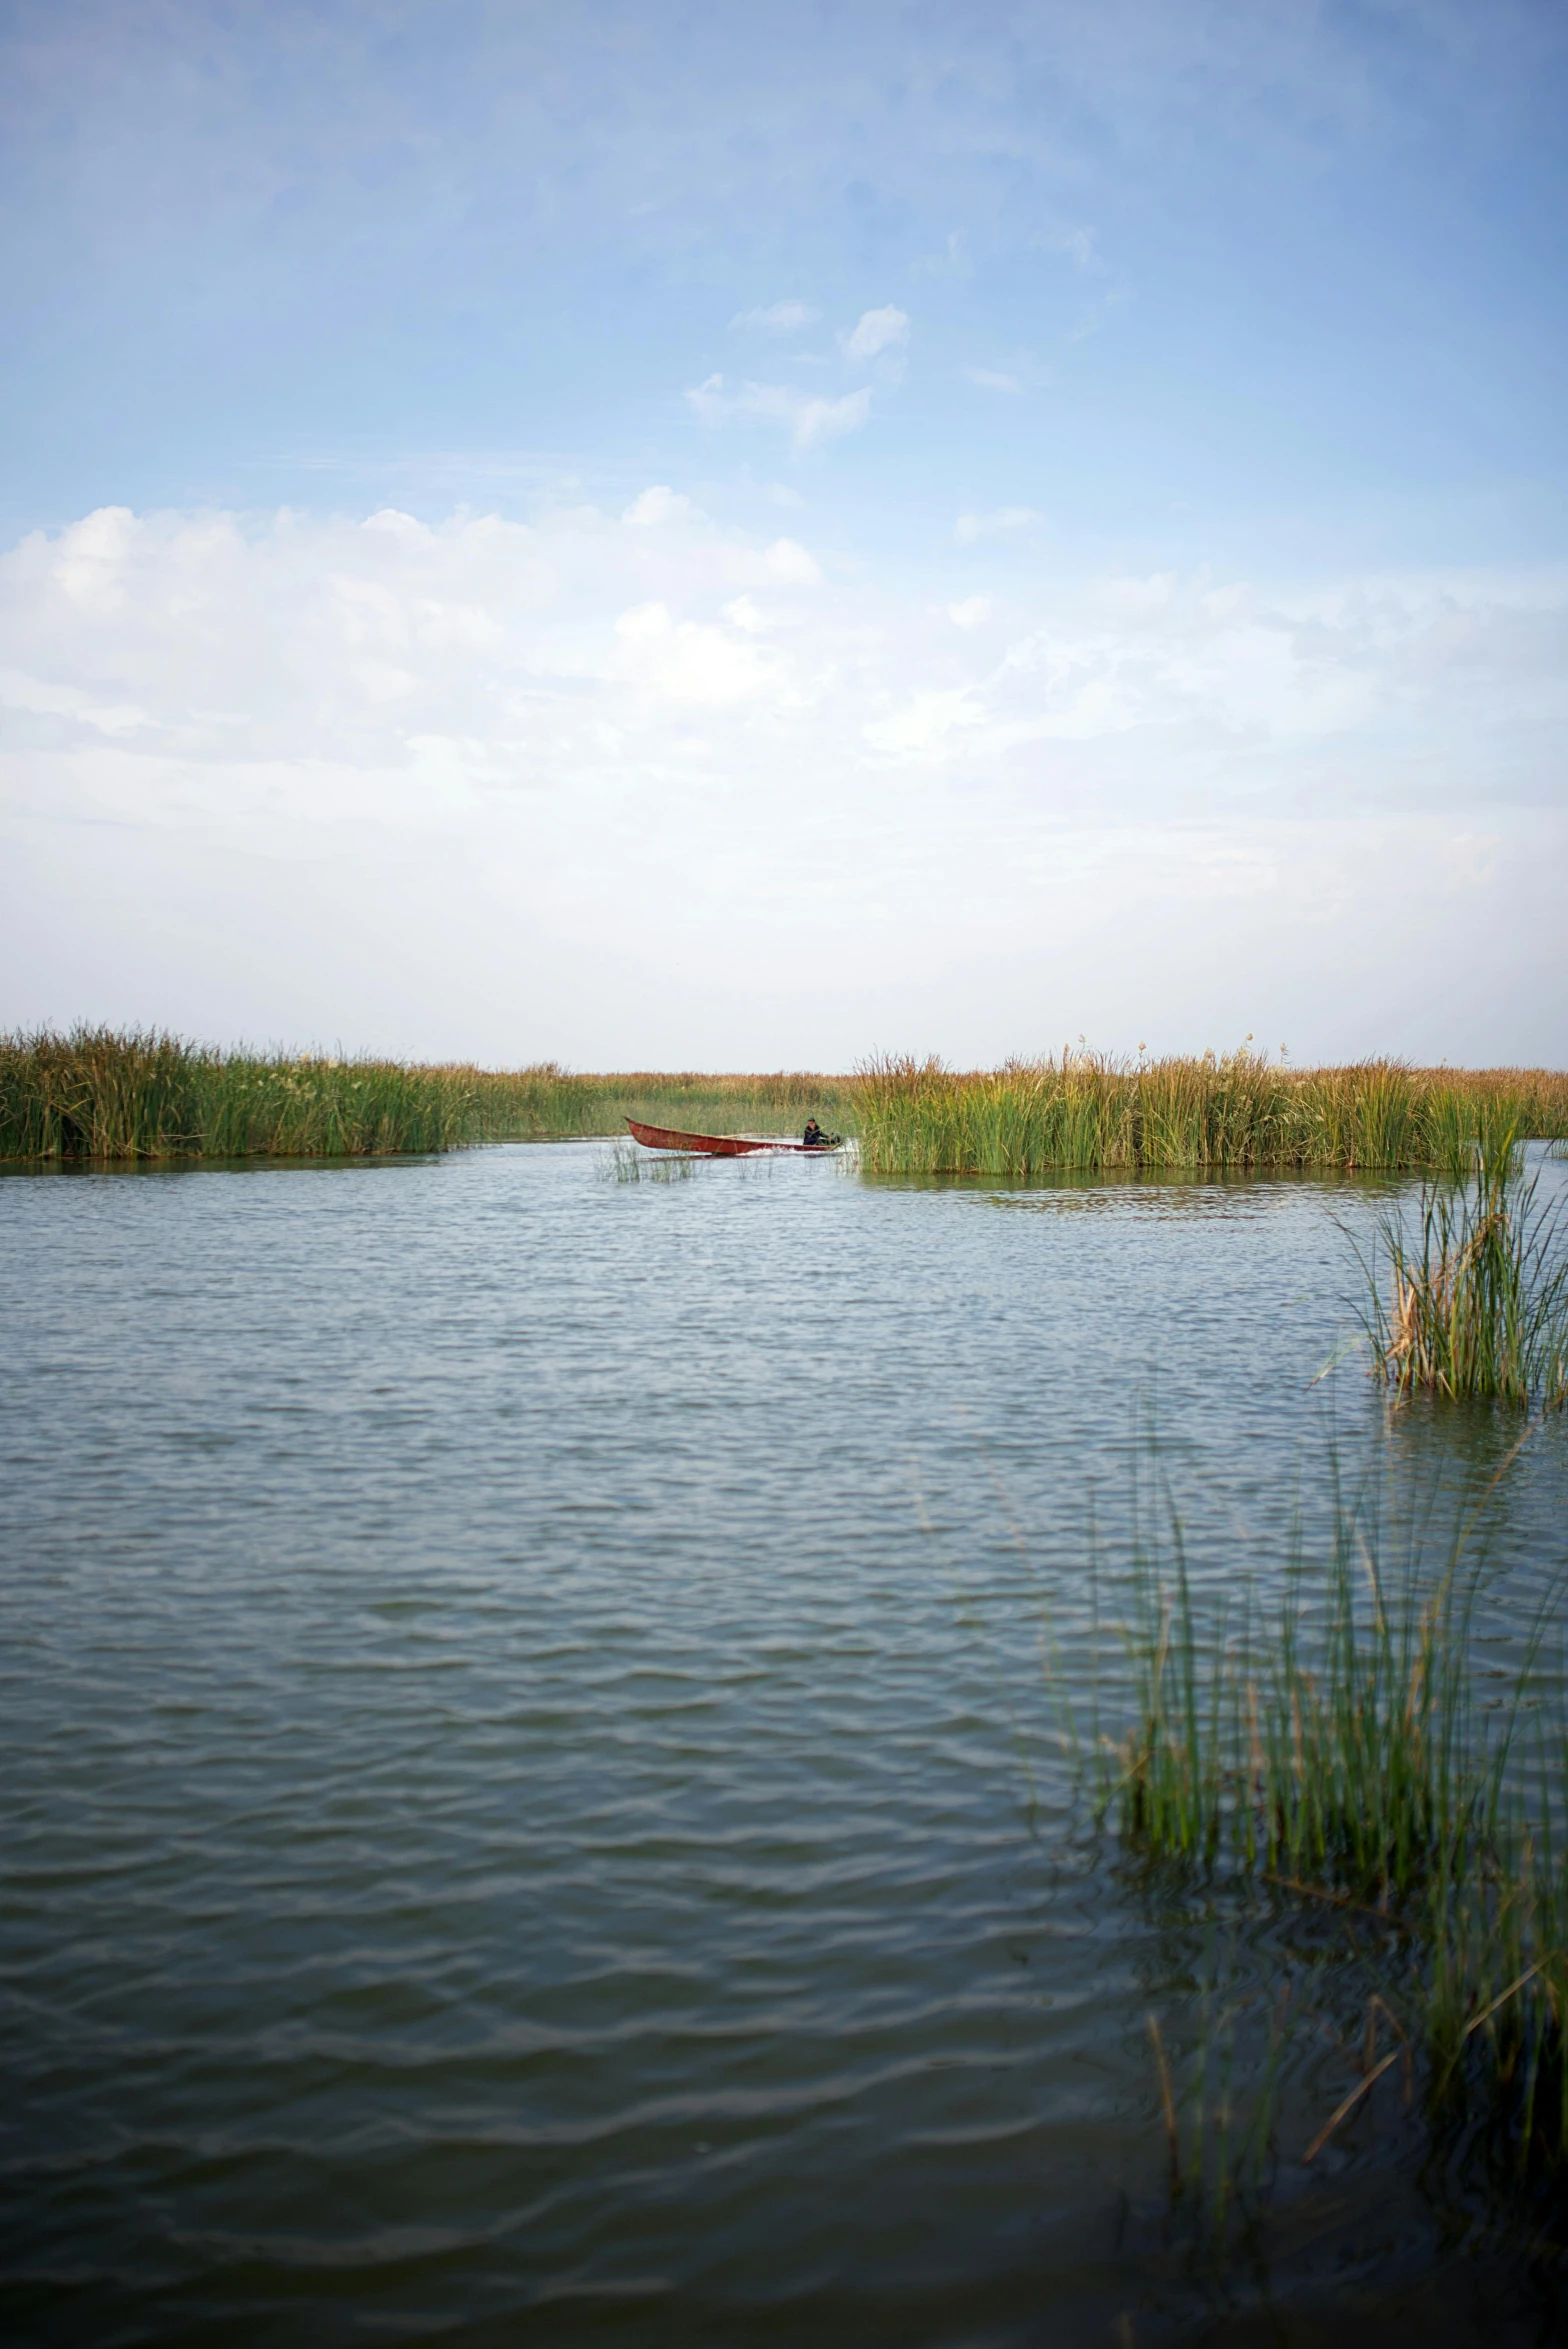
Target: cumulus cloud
[[809, 421], [991, 379], [970, 527], [972, 612], [778, 317], [656, 505], [331, 639], [788, 562], [877, 331], [686, 661]]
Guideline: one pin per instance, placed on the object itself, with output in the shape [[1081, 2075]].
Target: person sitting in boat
[[814, 1138]]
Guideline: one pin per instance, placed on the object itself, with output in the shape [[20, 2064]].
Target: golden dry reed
[[1089, 1113]]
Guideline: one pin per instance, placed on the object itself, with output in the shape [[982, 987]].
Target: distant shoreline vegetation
[[97, 1094]]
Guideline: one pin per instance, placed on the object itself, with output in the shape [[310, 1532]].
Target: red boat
[[718, 1145]]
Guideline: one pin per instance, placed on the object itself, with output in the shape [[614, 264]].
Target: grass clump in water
[[1341, 1749], [1477, 1302]]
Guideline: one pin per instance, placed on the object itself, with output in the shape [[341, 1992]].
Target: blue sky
[[985, 525]]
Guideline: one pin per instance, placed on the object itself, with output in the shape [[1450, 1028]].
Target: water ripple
[[531, 1809]]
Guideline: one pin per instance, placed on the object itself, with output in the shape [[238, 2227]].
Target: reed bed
[[1090, 1114], [97, 1093], [1339, 1751]]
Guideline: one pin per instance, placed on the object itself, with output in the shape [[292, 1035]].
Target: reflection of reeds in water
[[1477, 1302], [1334, 1754], [1220, 2096], [1089, 1113]]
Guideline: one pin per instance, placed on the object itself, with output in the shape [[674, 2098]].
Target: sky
[[748, 536]]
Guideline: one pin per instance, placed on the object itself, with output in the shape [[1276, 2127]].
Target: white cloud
[[778, 317], [926, 721], [970, 527], [687, 661], [40, 699], [92, 559], [300, 637], [878, 331], [788, 562], [989, 379], [506, 742], [808, 421], [657, 505], [210, 642]]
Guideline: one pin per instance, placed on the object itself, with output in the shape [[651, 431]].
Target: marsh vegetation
[[1090, 1114], [1355, 1792], [1365, 1772], [97, 1093], [1476, 1296]]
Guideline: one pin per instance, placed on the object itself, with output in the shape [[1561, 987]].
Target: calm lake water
[[530, 1803]]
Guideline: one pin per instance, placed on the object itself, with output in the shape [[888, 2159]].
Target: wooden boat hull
[[718, 1145]]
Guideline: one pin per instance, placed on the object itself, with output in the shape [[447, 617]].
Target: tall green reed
[[97, 1093], [1085, 1112], [1330, 1740]]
